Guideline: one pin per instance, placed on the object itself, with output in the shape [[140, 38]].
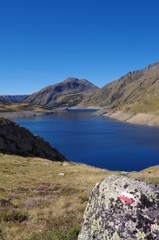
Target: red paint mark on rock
[[126, 197]]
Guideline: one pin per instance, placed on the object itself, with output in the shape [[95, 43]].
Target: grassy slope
[[147, 105], [136, 92], [48, 206], [57, 202], [17, 107]]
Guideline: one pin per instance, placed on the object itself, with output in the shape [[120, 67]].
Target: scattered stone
[[123, 172], [45, 163], [61, 174], [20, 164], [65, 164], [122, 208]]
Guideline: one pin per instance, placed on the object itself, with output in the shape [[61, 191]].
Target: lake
[[97, 140]]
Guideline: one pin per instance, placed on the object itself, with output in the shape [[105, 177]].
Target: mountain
[[136, 91], [70, 92], [12, 98], [15, 139]]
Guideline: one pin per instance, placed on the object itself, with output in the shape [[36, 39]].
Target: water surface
[[98, 141]]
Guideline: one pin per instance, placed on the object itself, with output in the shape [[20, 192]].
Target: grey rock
[[121, 208]]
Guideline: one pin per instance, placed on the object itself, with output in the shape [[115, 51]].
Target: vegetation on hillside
[[42, 203], [17, 107], [136, 92], [68, 93]]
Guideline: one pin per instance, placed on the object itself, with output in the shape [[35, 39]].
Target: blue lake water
[[98, 141]]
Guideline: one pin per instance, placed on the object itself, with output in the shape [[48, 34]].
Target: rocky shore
[[129, 117], [26, 114]]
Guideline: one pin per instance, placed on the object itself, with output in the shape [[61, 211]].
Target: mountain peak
[[71, 79], [70, 92]]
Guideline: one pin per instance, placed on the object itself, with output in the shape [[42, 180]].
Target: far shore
[[128, 117], [83, 107], [26, 114]]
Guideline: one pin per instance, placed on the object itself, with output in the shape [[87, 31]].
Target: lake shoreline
[[26, 114], [97, 141], [146, 119], [30, 114], [85, 108]]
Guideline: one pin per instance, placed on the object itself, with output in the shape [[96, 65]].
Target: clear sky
[[43, 42]]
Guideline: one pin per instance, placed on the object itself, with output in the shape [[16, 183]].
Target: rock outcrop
[[15, 139], [122, 208]]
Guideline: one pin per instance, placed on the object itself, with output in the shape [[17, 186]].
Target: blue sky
[[43, 42]]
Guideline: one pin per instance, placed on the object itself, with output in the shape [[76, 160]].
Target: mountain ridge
[[136, 86], [12, 98]]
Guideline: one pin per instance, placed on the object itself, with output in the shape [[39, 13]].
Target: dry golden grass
[[45, 204], [147, 105], [150, 175], [17, 107]]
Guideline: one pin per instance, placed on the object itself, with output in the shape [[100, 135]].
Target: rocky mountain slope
[[12, 98], [15, 139], [137, 91], [70, 92]]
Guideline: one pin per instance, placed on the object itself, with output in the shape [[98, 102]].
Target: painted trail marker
[[126, 197]]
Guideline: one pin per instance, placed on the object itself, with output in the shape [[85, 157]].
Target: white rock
[[61, 174], [66, 164]]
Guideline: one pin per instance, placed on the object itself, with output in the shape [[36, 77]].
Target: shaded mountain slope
[[15, 139], [70, 92]]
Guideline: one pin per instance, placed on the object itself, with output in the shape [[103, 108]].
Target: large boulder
[[122, 208], [19, 140]]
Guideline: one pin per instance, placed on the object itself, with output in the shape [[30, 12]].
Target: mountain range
[[137, 91], [12, 98]]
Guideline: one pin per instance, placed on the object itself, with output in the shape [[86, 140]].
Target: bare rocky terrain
[[130, 117]]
